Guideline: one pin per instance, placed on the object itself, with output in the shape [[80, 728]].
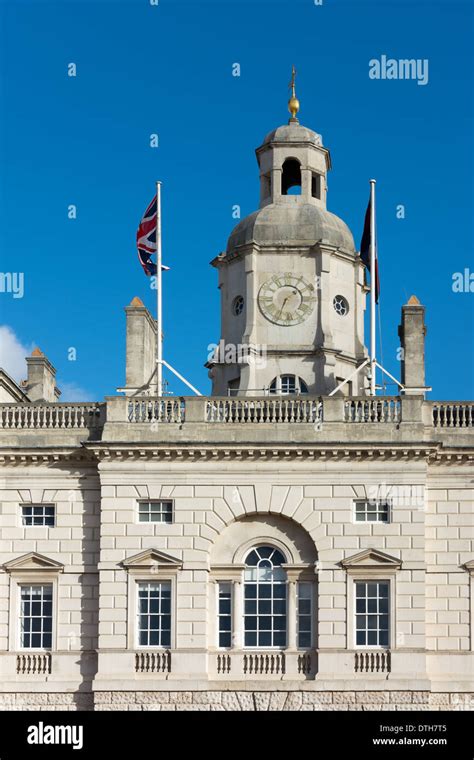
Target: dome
[[290, 133], [301, 224]]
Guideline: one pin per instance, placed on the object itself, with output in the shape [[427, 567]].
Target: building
[[270, 546]]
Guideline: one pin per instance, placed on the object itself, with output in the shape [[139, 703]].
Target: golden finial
[[293, 103]]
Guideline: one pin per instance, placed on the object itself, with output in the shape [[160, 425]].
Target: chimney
[[140, 346], [412, 333], [41, 382]]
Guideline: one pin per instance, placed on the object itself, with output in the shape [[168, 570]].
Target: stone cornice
[[46, 455], [91, 452], [148, 451]]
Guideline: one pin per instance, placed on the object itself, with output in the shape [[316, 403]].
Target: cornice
[[46, 455], [146, 451], [91, 452]]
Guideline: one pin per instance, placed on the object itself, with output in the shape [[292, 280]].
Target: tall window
[[288, 384], [225, 614], [305, 615], [372, 613], [36, 617], [154, 614], [265, 601], [39, 515]]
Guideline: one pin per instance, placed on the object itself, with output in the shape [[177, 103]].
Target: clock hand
[[282, 307]]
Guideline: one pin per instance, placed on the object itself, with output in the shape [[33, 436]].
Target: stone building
[[270, 546]]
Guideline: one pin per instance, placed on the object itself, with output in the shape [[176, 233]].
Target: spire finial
[[293, 103]]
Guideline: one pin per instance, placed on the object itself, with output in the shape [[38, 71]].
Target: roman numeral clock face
[[287, 299]]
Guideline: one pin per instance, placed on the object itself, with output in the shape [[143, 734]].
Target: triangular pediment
[[33, 561], [371, 558], [151, 558], [469, 566]]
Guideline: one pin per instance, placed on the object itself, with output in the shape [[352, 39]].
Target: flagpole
[[159, 303], [373, 285]]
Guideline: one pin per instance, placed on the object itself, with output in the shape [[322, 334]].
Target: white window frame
[[367, 577], [285, 583], [147, 647], [376, 511], [28, 505], [149, 513], [27, 584], [312, 588], [389, 613], [231, 585], [30, 578], [134, 578], [278, 387]]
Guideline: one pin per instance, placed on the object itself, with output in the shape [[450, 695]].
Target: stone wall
[[240, 701]]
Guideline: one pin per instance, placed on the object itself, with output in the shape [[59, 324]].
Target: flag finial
[[293, 103]]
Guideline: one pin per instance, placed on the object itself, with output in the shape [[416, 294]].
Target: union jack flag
[[146, 239]]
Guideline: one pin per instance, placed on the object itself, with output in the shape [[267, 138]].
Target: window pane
[[225, 639], [250, 639]]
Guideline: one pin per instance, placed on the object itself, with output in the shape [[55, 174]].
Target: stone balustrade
[[452, 414], [56, 416], [33, 664], [245, 664], [218, 412]]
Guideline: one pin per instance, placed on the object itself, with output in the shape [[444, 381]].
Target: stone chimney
[[412, 333], [41, 382], [141, 346]]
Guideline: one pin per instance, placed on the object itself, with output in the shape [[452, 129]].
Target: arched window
[[288, 384], [265, 598], [291, 177]]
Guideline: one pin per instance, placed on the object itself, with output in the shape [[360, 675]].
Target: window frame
[[149, 565], [152, 647], [376, 511], [27, 584], [285, 583], [312, 589], [298, 386], [150, 512], [367, 581], [368, 577], [33, 506], [231, 585]]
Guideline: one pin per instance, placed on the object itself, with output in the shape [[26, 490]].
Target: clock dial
[[287, 299]]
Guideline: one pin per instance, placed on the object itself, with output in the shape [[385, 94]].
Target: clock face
[[287, 299]]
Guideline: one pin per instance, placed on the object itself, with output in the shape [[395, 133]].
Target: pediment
[[151, 558], [469, 566], [33, 561], [371, 558]]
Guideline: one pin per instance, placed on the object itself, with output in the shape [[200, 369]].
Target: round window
[[238, 305], [341, 306]]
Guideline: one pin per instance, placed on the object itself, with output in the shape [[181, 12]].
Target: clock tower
[[291, 281]]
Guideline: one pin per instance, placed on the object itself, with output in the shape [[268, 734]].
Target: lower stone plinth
[[238, 700]]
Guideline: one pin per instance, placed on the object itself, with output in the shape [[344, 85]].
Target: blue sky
[[167, 69]]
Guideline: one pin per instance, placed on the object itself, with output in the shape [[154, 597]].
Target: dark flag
[[365, 251]]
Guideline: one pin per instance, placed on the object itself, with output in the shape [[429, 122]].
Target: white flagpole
[[372, 288], [159, 307]]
